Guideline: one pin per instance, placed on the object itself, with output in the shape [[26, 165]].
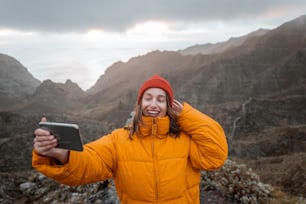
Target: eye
[[147, 98], [161, 99]]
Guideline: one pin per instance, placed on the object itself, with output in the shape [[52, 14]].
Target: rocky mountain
[[137, 69], [54, 98], [15, 81], [219, 47], [254, 85], [271, 65]]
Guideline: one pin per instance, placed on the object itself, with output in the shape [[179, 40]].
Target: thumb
[[43, 119]]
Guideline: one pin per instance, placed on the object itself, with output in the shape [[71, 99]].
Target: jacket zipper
[[154, 159]]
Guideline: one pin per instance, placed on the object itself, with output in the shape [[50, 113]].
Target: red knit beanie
[[156, 81]]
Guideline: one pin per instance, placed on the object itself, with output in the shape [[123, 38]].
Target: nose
[[153, 104]]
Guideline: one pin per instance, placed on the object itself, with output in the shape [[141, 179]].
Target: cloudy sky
[[78, 40]]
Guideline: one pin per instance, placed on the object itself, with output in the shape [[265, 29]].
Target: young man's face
[[154, 102]]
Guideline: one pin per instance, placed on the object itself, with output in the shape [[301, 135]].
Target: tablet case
[[68, 135]]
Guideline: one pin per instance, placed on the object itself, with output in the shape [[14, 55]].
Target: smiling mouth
[[153, 113]]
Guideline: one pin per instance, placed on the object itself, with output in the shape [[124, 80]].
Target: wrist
[[62, 155]]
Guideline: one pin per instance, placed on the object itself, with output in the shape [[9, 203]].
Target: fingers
[[177, 103], [42, 140], [44, 143], [41, 132], [177, 106]]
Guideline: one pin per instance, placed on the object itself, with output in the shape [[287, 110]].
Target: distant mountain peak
[[15, 81], [216, 48], [68, 88]]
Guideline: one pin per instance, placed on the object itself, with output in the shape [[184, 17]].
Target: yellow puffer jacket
[[152, 168]]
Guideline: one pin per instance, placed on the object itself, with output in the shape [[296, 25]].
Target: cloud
[[119, 15]]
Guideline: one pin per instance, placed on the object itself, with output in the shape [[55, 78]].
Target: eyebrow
[[159, 95]]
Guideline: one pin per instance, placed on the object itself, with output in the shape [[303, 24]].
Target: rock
[[27, 187]]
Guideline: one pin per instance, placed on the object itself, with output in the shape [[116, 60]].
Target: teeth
[[153, 113]]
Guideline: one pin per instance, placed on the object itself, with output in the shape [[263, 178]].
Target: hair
[[137, 120]]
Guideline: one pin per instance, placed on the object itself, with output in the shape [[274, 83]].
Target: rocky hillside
[[15, 81], [53, 97], [233, 183]]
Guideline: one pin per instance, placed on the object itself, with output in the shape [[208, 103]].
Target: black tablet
[[67, 134]]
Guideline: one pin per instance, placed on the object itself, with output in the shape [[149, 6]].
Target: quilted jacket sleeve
[[209, 148], [95, 163]]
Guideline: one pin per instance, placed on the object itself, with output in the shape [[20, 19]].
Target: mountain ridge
[[214, 48], [15, 82]]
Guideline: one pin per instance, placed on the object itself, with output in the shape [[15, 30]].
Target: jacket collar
[[157, 127]]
